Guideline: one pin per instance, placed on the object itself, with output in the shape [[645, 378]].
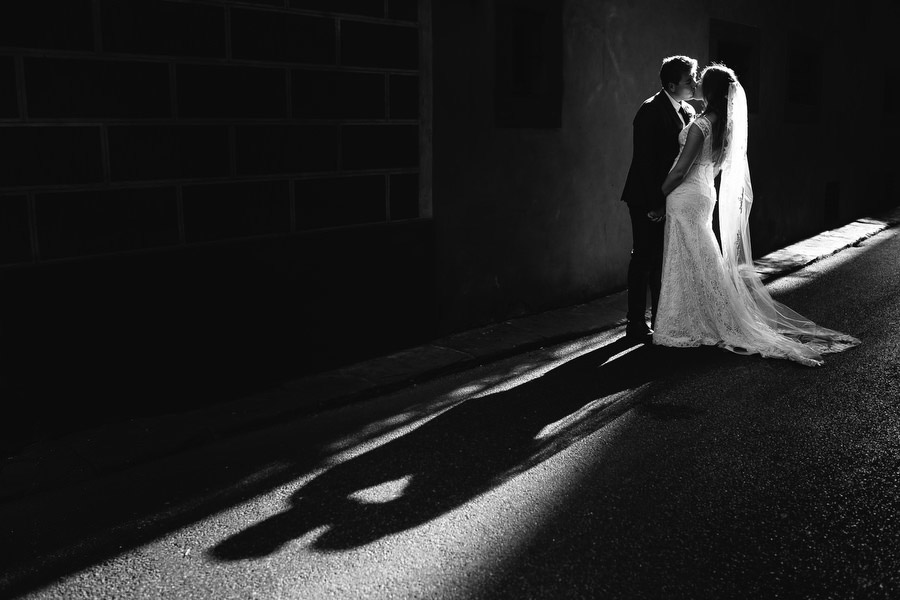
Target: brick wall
[[237, 178], [143, 124]]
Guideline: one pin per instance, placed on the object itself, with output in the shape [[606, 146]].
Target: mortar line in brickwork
[[303, 12], [352, 173], [201, 61], [21, 93], [172, 181], [232, 151], [387, 198], [292, 206], [337, 42], [387, 97], [179, 206], [32, 227], [104, 153], [150, 250], [98, 26], [289, 95], [157, 183], [340, 148], [173, 91], [228, 33], [84, 122], [220, 242]]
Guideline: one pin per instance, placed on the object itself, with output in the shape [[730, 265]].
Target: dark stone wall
[[205, 196]]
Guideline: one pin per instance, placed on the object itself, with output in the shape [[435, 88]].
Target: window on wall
[[528, 63], [737, 46], [804, 85]]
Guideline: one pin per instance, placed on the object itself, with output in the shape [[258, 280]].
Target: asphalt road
[[595, 469]]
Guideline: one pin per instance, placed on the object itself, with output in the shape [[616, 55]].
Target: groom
[[656, 127]]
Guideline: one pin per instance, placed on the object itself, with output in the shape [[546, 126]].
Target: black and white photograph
[[449, 300]]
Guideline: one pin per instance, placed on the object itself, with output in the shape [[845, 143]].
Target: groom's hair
[[673, 67]]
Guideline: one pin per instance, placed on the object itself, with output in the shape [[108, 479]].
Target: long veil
[[779, 328]]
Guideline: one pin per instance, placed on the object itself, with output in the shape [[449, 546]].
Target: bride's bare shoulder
[[711, 117]]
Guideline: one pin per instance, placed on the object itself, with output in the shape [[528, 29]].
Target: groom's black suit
[[656, 129]]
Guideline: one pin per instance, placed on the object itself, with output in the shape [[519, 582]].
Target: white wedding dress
[[714, 297]]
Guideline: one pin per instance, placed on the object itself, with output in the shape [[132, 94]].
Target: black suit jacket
[[656, 129]]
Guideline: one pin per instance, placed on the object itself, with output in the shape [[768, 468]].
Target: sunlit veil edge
[[782, 331]]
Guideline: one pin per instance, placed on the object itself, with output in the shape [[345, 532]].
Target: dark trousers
[[645, 268]]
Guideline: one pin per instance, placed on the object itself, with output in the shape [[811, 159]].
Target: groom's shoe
[[638, 332]]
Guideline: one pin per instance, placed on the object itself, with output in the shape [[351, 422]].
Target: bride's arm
[[692, 147]]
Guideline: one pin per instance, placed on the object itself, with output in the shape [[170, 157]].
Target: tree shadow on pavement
[[461, 453]]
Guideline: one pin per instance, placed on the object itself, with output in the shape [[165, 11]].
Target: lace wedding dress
[[713, 297]]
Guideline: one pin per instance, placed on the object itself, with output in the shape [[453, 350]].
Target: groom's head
[[678, 75]]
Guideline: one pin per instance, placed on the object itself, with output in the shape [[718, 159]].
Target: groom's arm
[[648, 144]]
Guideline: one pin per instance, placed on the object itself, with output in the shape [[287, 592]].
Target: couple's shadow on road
[[461, 453]]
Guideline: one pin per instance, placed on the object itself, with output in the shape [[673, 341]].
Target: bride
[[713, 297]]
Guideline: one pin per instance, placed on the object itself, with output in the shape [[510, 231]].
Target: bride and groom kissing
[[703, 294]]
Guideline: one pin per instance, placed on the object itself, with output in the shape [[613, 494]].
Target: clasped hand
[[657, 214]]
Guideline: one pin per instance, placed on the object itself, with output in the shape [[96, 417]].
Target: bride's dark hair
[[715, 80]]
